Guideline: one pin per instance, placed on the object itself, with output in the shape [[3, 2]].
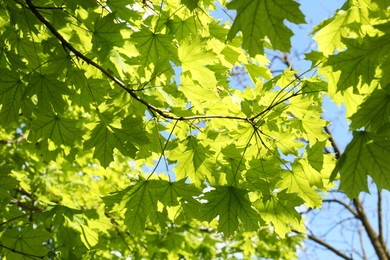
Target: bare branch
[[380, 220], [345, 205], [380, 250], [327, 246], [12, 219], [362, 243], [336, 149], [164, 113], [22, 253]]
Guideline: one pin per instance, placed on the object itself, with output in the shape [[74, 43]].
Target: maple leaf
[[59, 129], [155, 49], [190, 4], [191, 160], [315, 155], [194, 57], [106, 33], [367, 154], [263, 175], [27, 240], [299, 181], [280, 209], [49, 91], [11, 92], [374, 112], [258, 19], [231, 204], [171, 193], [105, 137], [356, 63]]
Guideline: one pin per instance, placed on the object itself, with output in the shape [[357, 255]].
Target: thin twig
[[362, 243], [345, 205], [12, 219], [336, 149], [22, 253], [326, 245], [164, 113], [380, 219]]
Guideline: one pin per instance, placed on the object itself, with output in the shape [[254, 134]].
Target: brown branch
[[381, 251], [336, 149], [326, 245], [164, 113], [26, 205], [12, 219], [362, 243], [22, 253], [345, 205], [380, 219]]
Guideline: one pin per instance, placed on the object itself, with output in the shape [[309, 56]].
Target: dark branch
[[164, 113], [12, 219], [22, 253], [380, 250], [362, 243], [336, 149], [380, 219], [327, 246], [345, 205]]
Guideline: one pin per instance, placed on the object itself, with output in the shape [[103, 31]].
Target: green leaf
[[315, 155], [107, 33], [263, 175], [194, 57], [11, 92], [279, 209], [7, 184], [138, 201], [374, 112], [28, 240], [171, 193], [367, 154], [48, 90], [355, 63], [190, 4], [105, 137], [122, 10], [57, 128], [298, 181], [191, 160], [232, 205], [258, 19], [155, 48]]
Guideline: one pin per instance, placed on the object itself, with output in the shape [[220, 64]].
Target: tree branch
[[12, 219], [336, 149], [380, 250], [362, 243], [326, 245], [164, 113], [349, 208], [22, 253], [380, 219]]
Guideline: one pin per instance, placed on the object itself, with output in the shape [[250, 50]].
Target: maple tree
[[123, 135]]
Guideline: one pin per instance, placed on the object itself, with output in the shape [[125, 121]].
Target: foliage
[[123, 134]]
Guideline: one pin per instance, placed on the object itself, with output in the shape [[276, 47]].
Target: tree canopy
[[124, 134]]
